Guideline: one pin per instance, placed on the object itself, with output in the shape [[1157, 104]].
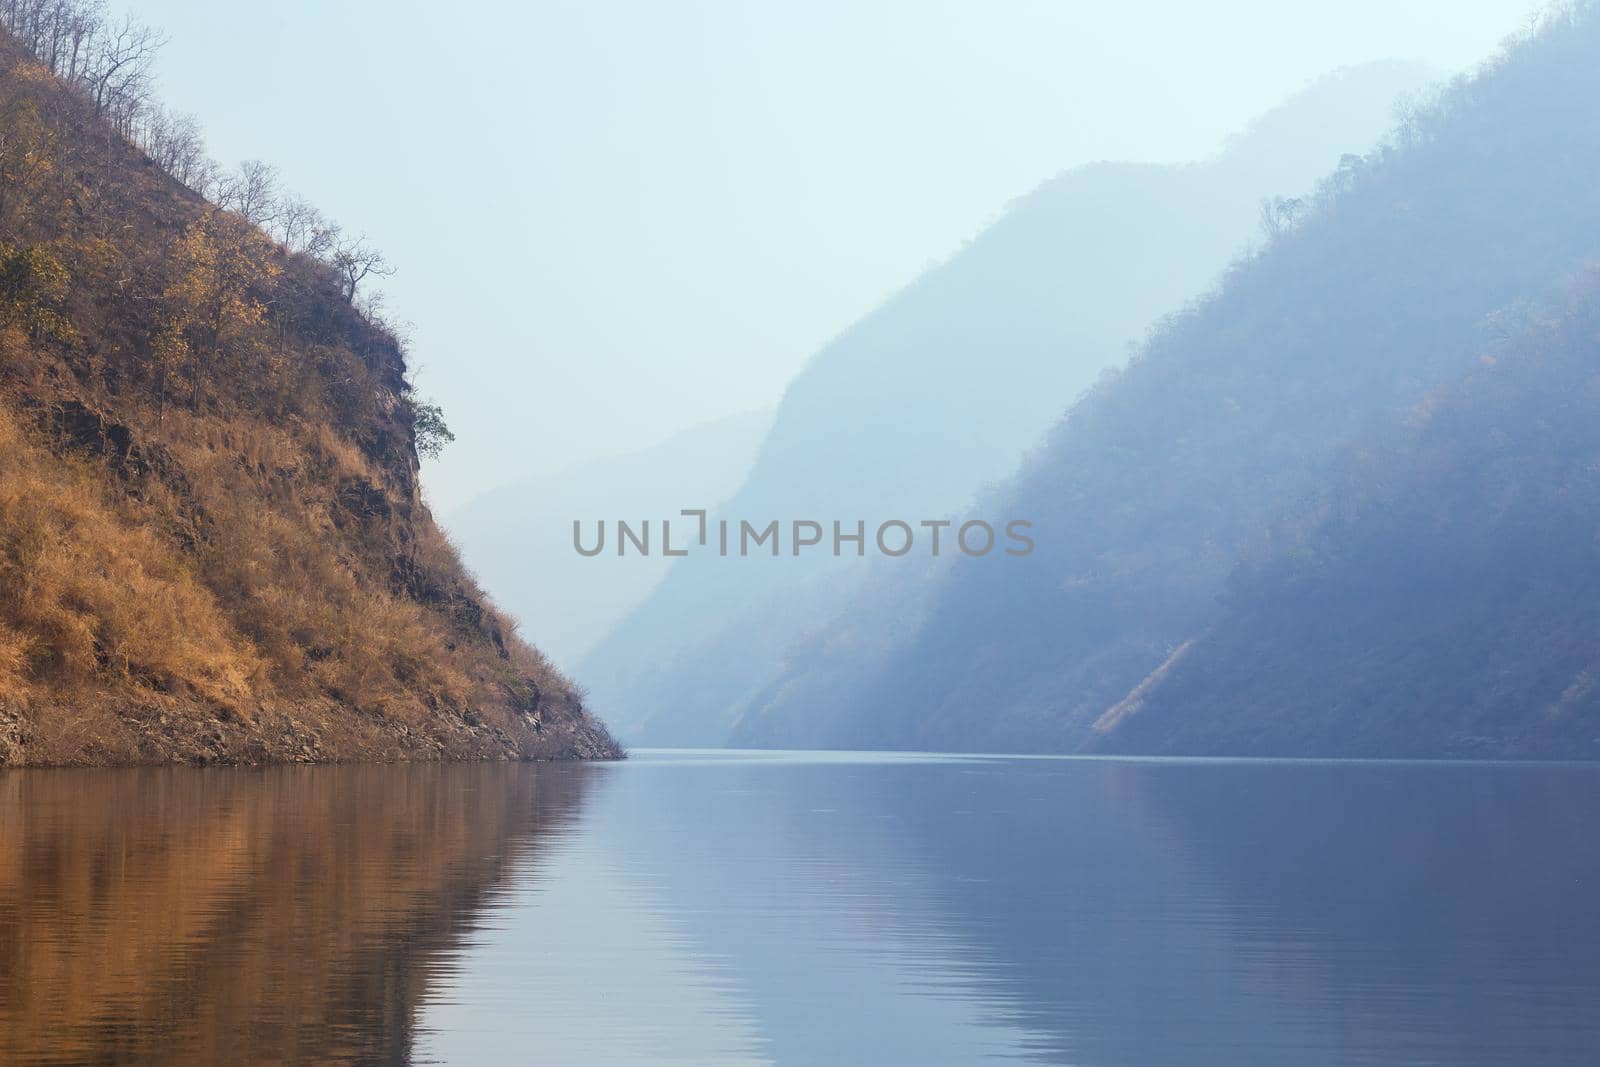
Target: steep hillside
[[518, 538], [212, 543], [1155, 484], [910, 412], [1441, 597]]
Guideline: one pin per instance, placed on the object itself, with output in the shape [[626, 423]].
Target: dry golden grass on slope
[[114, 638], [213, 545], [311, 619], [88, 591]]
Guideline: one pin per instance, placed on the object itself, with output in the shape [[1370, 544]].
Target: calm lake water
[[721, 908]]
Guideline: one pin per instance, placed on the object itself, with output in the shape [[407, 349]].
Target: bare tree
[[118, 73], [251, 191], [80, 22], [299, 223], [57, 32], [207, 178], [173, 142], [112, 65], [1279, 214], [355, 261]]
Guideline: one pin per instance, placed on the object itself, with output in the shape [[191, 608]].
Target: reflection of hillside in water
[[1087, 928], [806, 907], [952, 910], [1133, 912], [229, 916], [1439, 913]]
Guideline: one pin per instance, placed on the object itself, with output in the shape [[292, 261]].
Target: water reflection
[[294, 915], [904, 910], [750, 909], [1424, 913]]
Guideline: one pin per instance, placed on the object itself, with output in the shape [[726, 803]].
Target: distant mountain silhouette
[[1416, 592], [911, 412], [518, 538]]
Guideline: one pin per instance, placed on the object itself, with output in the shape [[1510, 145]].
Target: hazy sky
[[617, 218]]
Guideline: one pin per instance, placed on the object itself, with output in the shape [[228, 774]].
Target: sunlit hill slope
[[212, 541]]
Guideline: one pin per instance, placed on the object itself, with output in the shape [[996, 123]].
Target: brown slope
[[213, 545]]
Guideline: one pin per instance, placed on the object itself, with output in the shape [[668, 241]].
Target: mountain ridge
[[1375, 292], [944, 388]]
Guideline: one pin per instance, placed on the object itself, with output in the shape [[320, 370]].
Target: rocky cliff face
[[213, 545]]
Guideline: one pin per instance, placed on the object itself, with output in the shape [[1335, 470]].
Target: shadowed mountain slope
[[1239, 408], [1441, 596], [911, 411]]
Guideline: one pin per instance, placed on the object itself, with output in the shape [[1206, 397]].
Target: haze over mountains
[[1439, 595], [913, 410], [1379, 428], [1304, 433], [518, 539]]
